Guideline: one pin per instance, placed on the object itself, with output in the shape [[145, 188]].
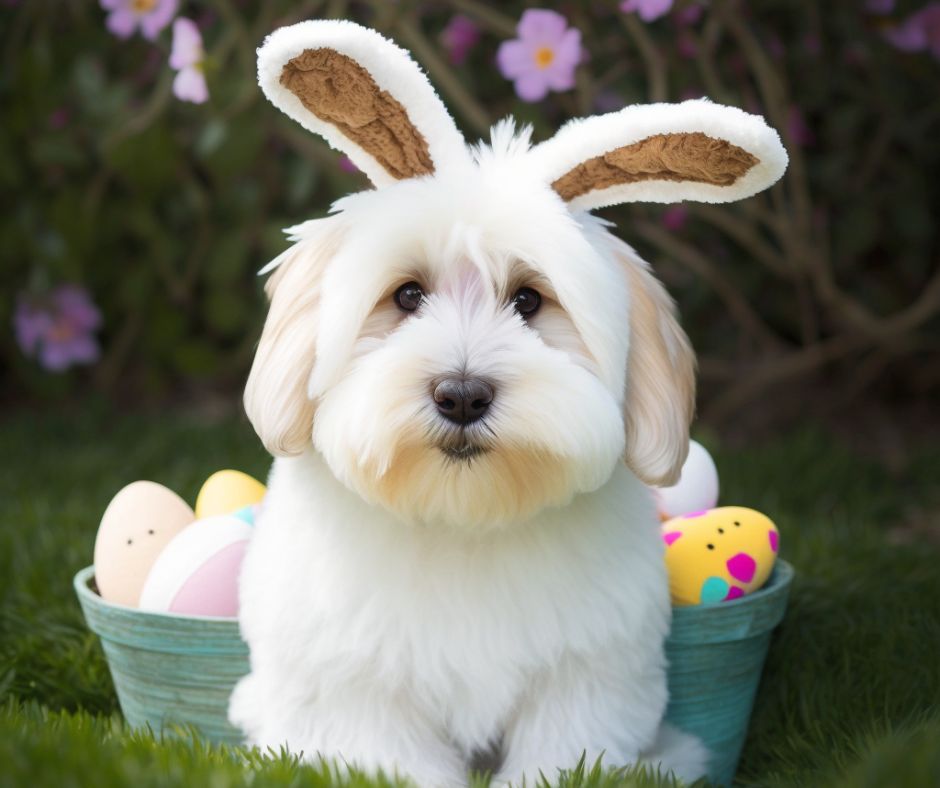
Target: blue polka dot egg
[[718, 555]]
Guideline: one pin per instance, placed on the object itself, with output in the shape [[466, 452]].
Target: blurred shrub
[[164, 210]]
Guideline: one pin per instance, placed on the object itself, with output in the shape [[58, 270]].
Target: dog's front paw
[[242, 710], [680, 753]]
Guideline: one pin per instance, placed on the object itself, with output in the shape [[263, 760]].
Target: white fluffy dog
[[467, 380]]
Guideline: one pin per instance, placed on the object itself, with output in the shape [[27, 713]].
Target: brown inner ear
[[339, 91], [689, 156]]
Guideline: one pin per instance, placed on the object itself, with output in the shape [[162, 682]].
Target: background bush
[[164, 210]]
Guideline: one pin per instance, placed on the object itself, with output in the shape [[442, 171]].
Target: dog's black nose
[[463, 400]]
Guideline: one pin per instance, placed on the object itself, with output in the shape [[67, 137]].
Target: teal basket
[[179, 670], [716, 654]]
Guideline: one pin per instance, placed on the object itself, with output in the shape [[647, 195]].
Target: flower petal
[[541, 26], [122, 23], [190, 85], [75, 305], [515, 58], [907, 37], [83, 349], [30, 326], [647, 10], [186, 49], [532, 87], [152, 23], [459, 37], [55, 356], [568, 50], [559, 78]]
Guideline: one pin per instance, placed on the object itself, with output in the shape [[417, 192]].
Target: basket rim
[[82, 585], [748, 616], [778, 583]]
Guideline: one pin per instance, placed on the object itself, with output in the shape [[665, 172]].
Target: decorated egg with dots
[[197, 572], [718, 555], [696, 489], [138, 523], [228, 491]]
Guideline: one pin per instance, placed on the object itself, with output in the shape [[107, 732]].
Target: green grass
[[851, 691]]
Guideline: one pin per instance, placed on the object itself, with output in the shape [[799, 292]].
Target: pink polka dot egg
[[717, 555]]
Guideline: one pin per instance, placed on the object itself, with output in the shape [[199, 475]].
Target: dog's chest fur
[[460, 622]]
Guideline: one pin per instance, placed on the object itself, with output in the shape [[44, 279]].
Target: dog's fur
[[413, 611]]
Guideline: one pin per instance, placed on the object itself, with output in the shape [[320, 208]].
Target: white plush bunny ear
[[695, 150], [364, 95]]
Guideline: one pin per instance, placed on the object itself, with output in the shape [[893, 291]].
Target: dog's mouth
[[462, 452]]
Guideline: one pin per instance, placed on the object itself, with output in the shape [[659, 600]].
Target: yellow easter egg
[[718, 555], [226, 491]]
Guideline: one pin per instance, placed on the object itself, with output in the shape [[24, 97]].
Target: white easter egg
[[697, 488], [138, 523], [197, 573]]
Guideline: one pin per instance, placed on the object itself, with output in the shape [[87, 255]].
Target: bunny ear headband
[[371, 101]]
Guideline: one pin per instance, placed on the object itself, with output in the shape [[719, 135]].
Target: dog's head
[[465, 343]]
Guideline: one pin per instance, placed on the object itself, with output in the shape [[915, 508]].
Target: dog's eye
[[526, 302], [409, 296]]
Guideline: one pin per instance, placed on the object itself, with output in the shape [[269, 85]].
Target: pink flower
[[544, 56], [151, 16], [187, 57], [919, 32], [460, 36], [675, 217], [58, 329], [647, 10]]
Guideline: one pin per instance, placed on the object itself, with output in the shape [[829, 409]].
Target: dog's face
[[463, 345]]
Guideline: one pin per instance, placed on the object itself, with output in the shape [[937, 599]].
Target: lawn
[[851, 691]]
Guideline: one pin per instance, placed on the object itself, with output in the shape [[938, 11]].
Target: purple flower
[[460, 36], [675, 217], [689, 15], [151, 16], [685, 45], [346, 165], [544, 56], [187, 56], [647, 10], [58, 329], [919, 32], [881, 7], [798, 129]]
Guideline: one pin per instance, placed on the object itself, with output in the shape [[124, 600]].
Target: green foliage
[[165, 210], [850, 692]]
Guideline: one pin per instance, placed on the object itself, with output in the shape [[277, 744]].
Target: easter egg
[[228, 491], [197, 572], [697, 488], [138, 523], [718, 555]]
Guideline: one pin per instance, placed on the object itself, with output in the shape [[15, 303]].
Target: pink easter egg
[[197, 572]]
